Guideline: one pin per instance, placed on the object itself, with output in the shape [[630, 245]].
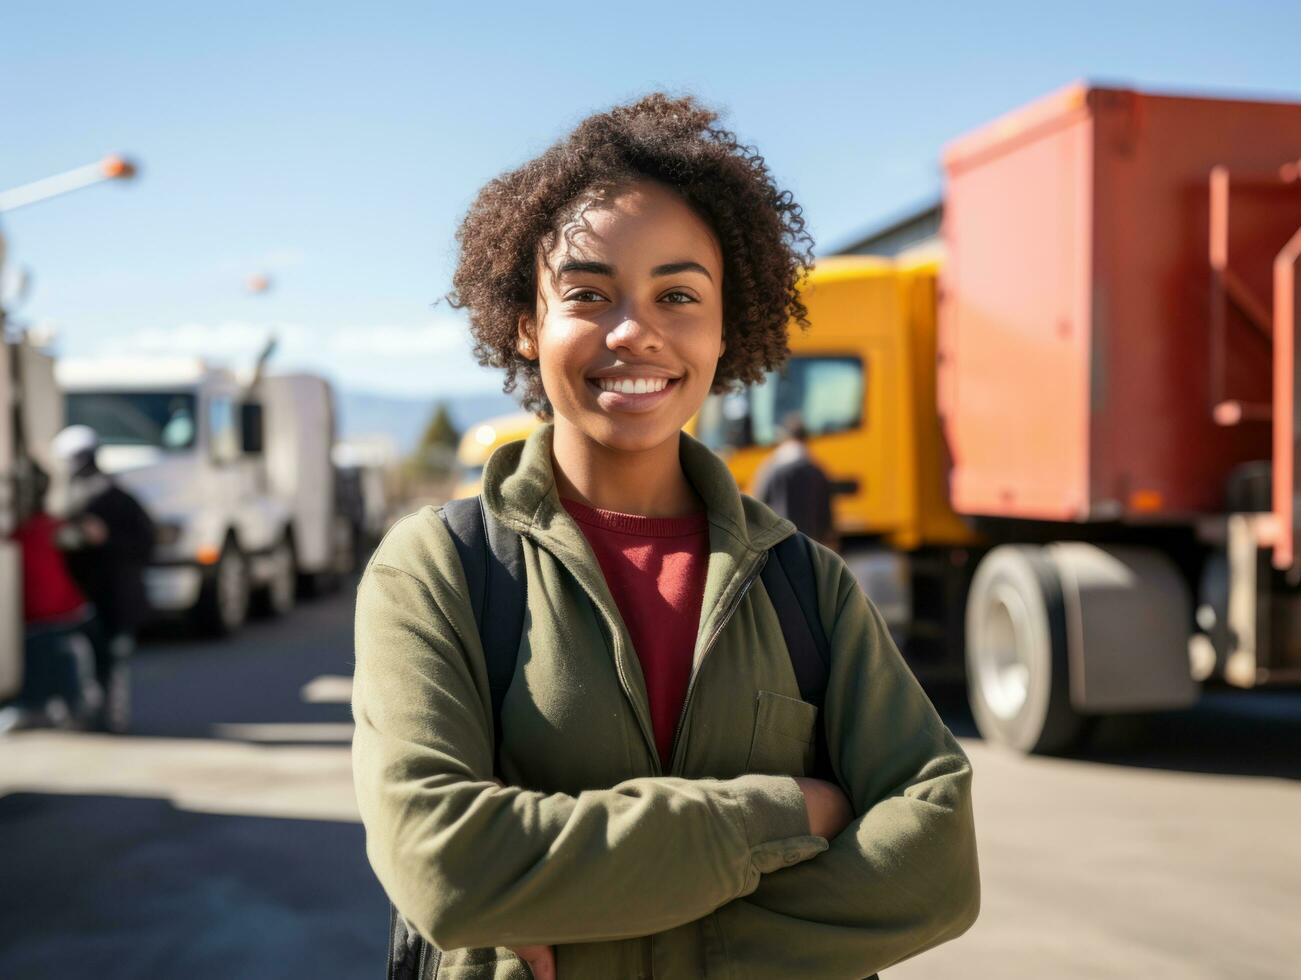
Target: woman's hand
[[540, 959], [829, 809]]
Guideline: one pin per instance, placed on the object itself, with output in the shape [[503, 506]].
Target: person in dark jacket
[[109, 540], [792, 483]]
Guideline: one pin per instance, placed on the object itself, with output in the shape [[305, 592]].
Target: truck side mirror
[[250, 426]]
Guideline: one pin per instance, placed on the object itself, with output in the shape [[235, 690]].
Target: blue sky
[[336, 146]]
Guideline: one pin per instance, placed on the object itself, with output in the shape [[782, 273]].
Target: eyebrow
[[673, 268], [595, 268], [603, 269]]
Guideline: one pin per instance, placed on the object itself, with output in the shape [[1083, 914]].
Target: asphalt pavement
[[218, 841], [220, 838]]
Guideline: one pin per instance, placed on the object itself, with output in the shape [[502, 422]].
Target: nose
[[634, 332]]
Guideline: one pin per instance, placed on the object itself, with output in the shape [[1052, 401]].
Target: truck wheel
[[1018, 679], [278, 597], [223, 602]]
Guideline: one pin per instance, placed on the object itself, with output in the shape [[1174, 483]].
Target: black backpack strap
[[407, 950], [493, 561], [789, 580]]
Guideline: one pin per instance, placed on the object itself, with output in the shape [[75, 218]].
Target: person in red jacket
[[59, 676], [50, 595]]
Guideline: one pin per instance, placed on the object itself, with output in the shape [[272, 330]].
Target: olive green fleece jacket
[[706, 871]]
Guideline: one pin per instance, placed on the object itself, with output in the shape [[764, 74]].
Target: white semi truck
[[236, 475]]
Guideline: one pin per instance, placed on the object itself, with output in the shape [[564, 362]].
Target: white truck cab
[[196, 448]]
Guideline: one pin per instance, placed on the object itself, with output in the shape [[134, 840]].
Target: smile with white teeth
[[633, 386]]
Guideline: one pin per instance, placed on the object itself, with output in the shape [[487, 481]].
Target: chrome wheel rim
[[1004, 672]]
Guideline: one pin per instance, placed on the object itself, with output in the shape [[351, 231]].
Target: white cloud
[[439, 337], [280, 259], [412, 358], [233, 339]]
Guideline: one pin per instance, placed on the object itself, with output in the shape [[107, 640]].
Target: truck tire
[[224, 598], [1018, 677], [277, 597]]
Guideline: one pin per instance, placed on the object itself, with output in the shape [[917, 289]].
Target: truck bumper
[[173, 588]]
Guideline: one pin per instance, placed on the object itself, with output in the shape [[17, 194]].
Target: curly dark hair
[[675, 141]]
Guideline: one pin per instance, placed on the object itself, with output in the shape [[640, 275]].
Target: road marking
[[328, 689], [340, 731], [309, 782]]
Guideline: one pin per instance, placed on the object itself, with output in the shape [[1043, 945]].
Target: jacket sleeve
[[471, 863], [902, 877]]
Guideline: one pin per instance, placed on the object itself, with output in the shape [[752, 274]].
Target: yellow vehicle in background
[[479, 442], [863, 378]]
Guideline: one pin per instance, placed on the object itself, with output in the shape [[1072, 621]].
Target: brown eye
[[678, 297], [585, 296]]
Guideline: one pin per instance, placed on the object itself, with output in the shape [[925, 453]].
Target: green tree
[[435, 454]]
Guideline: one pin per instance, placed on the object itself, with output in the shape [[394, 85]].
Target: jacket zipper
[[648, 735], [709, 645]]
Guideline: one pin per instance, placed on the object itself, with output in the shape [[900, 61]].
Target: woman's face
[[629, 321]]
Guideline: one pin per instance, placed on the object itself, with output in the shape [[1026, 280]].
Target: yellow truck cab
[[863, 378]]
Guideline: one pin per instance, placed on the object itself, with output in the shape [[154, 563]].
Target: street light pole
[[11, 415], [110, 168]]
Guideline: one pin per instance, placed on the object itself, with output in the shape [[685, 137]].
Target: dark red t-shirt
[[655, 568], [49, 593]]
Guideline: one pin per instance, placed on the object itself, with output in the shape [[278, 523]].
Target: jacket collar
[[519, 488]]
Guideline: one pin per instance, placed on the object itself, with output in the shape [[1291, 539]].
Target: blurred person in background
[[59, 683], [109, 539], [792, 483]]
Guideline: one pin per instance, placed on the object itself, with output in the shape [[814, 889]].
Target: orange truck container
[[1087, 370], [1117, 387]]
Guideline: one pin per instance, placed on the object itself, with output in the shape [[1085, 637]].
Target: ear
[[525, 342]]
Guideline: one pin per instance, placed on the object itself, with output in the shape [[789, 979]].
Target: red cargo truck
[[1119, 396]]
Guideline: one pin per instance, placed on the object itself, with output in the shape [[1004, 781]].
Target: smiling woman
[[760, 246], [693, 751]]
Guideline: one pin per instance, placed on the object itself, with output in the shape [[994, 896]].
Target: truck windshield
[[164, 419], [826, 391]]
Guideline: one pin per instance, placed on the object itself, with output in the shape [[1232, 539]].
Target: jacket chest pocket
[[782, 742]]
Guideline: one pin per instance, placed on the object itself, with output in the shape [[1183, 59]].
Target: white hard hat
[[75, 442]]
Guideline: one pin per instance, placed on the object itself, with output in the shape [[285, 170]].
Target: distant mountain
[[364, 413]]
